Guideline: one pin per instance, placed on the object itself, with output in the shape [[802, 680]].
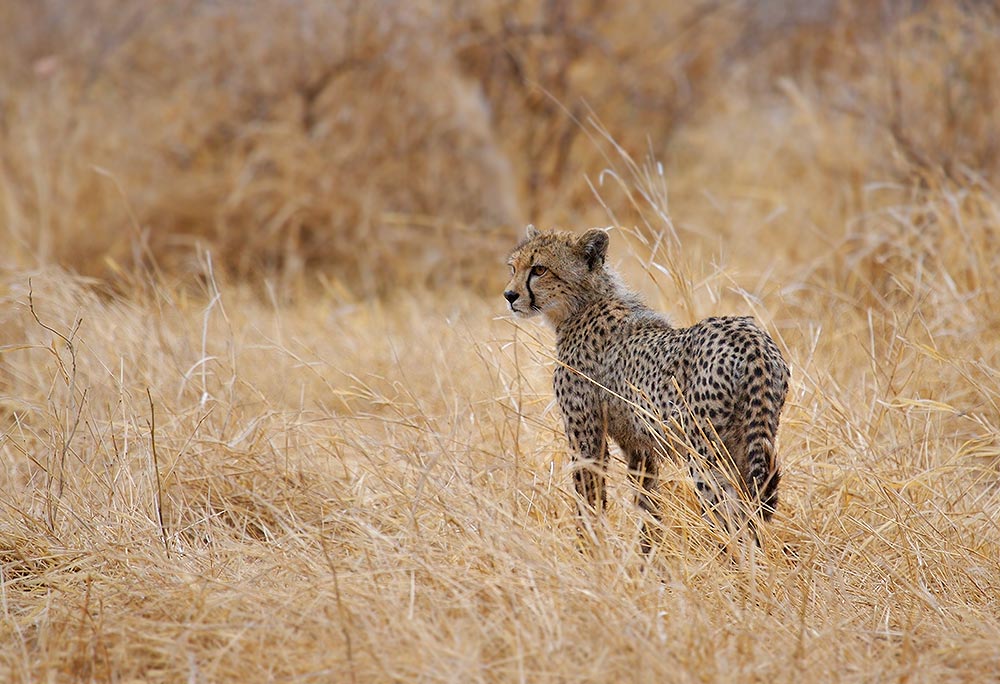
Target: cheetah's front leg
[[590, 453], [585, 420], [589, 446], [642, 470]]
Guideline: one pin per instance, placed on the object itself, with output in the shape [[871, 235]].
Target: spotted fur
[[711, 393]]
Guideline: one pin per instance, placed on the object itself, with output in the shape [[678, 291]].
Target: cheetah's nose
[[511, 296]]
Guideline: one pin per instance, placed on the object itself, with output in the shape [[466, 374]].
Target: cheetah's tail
[[766, 386]]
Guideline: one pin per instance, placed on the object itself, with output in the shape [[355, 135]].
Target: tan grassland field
[[264, 417]]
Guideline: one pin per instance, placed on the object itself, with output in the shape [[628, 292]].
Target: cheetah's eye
[[538, 270]]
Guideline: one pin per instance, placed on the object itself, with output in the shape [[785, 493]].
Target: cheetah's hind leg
[[722, 505]]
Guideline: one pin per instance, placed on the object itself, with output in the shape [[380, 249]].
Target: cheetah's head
[[555, 273]]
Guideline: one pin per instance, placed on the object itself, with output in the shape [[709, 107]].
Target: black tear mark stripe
[[531, 295]]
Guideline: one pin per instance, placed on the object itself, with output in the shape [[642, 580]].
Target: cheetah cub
[[711, 393]]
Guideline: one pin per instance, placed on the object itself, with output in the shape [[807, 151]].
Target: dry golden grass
[[225, 461]]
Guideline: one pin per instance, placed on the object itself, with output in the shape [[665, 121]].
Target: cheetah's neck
[[592, 315]]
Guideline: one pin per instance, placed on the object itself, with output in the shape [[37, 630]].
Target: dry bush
[[284, 136], [548, 67], [934, 90]]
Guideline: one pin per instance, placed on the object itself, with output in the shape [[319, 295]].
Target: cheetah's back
[[732, 381]]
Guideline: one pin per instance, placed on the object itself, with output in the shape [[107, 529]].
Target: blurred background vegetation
[[386, 143]]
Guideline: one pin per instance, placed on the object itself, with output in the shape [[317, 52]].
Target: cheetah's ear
[[532, 232], [593, 247]]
